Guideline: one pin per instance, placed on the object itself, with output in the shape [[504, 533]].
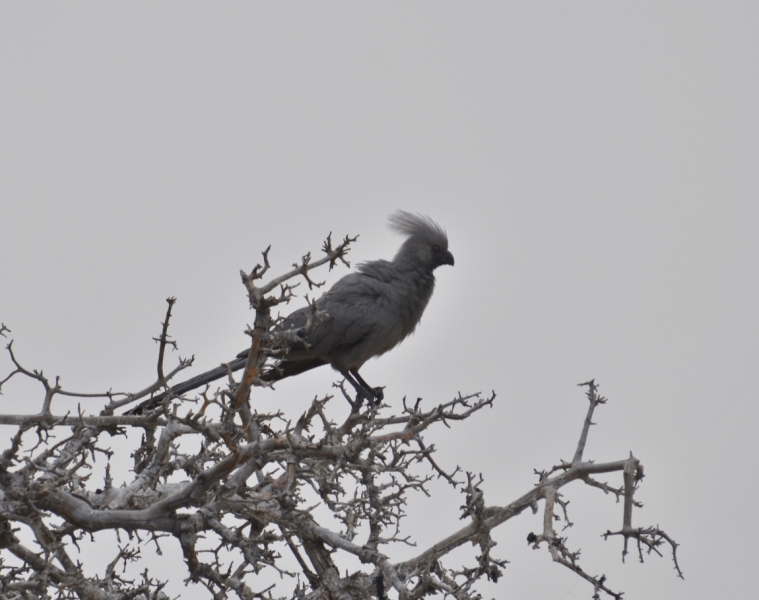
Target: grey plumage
[[370, 311]]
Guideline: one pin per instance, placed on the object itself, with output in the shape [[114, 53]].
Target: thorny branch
[[236, 489], [164, 340]]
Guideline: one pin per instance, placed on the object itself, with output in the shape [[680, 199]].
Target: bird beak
[[447, 258]]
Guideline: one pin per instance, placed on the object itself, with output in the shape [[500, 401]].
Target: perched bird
[[368, 312]]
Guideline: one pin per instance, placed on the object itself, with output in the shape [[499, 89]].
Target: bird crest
[[416, 225]]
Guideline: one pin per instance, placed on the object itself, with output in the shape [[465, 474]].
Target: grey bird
[[368, 312]]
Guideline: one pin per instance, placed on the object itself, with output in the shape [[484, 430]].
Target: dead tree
[[241, 505]]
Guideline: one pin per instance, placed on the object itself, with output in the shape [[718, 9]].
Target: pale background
[[594, 164]]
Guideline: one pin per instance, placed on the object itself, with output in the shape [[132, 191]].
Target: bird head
[[426, 244]]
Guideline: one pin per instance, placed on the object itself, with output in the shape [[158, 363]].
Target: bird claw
[[373, 397]]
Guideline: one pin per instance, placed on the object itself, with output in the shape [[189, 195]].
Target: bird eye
[[435, 248]]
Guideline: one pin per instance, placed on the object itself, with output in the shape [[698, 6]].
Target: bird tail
[[190, 384], [284, 369], [207, 377]]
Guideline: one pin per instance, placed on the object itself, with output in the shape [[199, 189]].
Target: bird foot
[[373, 397], [373, 400]]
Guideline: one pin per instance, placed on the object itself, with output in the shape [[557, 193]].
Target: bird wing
[[363, 321]]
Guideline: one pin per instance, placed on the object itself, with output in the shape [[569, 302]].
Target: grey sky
[[594, 164]]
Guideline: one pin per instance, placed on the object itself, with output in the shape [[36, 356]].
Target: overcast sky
[[594, 164]]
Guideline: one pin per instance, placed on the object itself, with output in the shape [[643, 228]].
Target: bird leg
[[374, 395], [361, 391]]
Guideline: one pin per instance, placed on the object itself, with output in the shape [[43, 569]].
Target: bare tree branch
[[237, 490]]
